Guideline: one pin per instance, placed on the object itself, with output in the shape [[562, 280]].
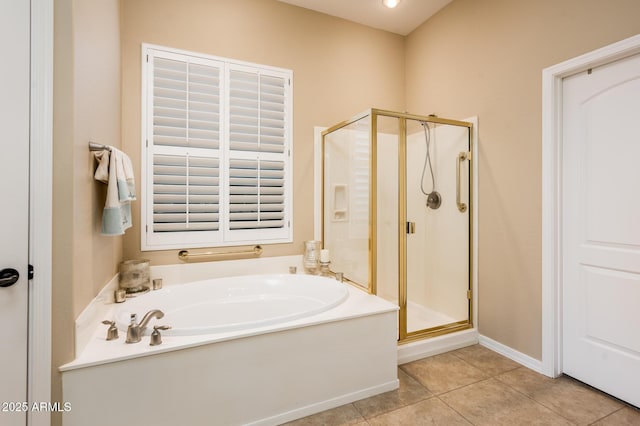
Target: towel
[[115, 169]]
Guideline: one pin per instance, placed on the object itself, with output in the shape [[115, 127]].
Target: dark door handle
[[8, 277]]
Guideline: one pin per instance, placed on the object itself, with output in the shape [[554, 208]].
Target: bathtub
[[244, 350], [234, 303]]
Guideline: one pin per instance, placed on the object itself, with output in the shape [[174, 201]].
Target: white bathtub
[[316, 344], [235, 303]]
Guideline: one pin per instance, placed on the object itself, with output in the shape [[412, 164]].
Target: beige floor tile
[[442, 373], [575, 401], [428, 412], [491, 402], [410, 391], [625, 417], [486, 360], [343, 415], [525, 380]]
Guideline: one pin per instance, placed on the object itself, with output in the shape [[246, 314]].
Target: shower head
[[433, 198]]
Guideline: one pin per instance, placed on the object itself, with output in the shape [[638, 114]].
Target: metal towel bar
[[186, 256]]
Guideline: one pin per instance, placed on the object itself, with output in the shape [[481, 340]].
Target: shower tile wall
[[437, 254]]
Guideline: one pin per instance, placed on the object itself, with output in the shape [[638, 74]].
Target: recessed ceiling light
[[390, 3]]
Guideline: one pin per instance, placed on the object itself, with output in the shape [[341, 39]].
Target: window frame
[[224, 236]]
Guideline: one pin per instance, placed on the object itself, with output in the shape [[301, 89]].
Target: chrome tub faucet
[[135, 330]]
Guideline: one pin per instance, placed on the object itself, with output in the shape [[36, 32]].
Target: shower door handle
[[462, 156]]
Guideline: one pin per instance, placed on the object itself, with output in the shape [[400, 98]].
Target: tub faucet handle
[[156, 338], [112, 331], [133, 331]]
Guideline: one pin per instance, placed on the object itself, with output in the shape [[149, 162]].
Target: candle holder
[[311, 256], [324, 269]]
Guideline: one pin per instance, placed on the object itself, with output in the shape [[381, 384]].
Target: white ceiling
[[403, 19]]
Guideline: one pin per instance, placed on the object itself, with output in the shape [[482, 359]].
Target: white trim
[[413, 351], [317, 407], [40, 208], [512, 354], [226, 234], [552, 191], [199, 56]]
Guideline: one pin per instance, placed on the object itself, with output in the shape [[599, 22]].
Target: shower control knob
[[434, 200]]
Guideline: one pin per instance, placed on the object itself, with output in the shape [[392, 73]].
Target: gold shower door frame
[[373, 113]]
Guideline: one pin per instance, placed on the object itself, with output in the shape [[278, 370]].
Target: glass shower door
[[346, 199], [437, 238]]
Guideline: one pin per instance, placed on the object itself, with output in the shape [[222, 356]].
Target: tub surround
[[99, 351], [265, 379], [101, 306], [263, 376]]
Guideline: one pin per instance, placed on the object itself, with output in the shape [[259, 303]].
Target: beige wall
[[87, 107], [476, 57], [485, 58], [340, 68]]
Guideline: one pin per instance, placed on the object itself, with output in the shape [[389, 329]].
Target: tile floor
[[476, 386]]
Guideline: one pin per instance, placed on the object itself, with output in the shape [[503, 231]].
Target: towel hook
[[98, 147]]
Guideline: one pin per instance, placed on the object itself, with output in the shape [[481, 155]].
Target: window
[[216, 151]]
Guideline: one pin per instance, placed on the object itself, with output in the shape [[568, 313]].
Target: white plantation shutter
[[217, 152], [256, 194], [257, 112], [186, 103], [257, 153], [186, 193]]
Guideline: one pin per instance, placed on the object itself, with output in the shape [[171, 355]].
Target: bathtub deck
[[263, 376]]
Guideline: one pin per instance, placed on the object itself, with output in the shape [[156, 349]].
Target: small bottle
[[311, 256]]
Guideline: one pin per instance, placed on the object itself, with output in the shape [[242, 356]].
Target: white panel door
[[601, 228], [14, 190]]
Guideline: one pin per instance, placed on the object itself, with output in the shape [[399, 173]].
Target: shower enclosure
[[397, 211]]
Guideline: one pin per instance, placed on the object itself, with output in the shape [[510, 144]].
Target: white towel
[[115, 169]]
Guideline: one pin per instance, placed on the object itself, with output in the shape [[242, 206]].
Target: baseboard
[[519, 357], [436, 345], [326, 405]]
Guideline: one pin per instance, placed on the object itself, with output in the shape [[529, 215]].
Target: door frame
[[40, 210], [552, 81]]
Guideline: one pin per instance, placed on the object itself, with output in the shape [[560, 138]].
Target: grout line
[[608, 415], [455, 411], [399, 408], [365, 420], [362, 417], [449, 390], [529, 397], [518, 365], [404, 405]]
